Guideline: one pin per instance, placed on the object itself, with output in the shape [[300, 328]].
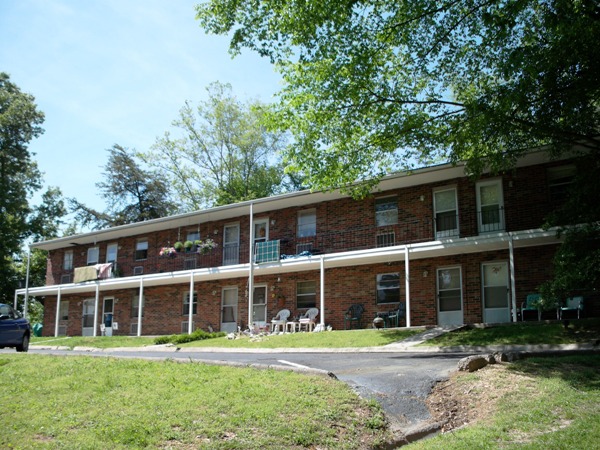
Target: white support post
[[407, 284], [57, 313], [15, 301], [322, 293], [191, 308], [251, 270], [25, 312], [96, 302], [140, 306], [513, 287]]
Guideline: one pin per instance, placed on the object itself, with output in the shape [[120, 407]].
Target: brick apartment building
[[448, 249]]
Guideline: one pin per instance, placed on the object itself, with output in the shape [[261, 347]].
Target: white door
[[87, 325], [107, 316], [449, 294], [231, 244], [259, 306], [229, 309], [495, 292], [490, 206]]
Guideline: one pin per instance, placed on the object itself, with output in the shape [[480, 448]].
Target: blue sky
[[110, 72]]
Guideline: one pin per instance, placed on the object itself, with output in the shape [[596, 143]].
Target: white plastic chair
[[280, 320], [308, 319]]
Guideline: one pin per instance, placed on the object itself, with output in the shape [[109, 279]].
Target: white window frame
[[135, 306], [93, 255], [258, 224], [436, 210], [141, 245], [64, 310], [488, 227], [380, 220], [186, 304], [256, 306], [306, 223], [112, 248], [68, 260], [300, 295]]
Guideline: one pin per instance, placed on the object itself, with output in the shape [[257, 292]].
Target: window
[[141, 249], [388, 288], [111, 253], [186, 303], [64, 310], [307, 223], [490, 205], [386, 211], [93, 255], [446, 213], [68, 260], [261, 230], [560, 180], [306, 294], [192, 236], [135, 306]]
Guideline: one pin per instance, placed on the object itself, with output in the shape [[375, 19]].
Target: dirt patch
[[466, 398]]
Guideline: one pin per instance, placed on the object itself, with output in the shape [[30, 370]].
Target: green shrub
[[198, 335]]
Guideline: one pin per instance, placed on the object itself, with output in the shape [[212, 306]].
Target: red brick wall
[[163, 312]]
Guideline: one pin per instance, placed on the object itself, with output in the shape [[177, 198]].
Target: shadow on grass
[[581, 372], [584, 330]]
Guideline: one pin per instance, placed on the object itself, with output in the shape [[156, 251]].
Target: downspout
[[251, 269], [96, 309], [407, 285], [140, 306], [27, 283], [191, 305], [322, 321], [57, 312], [513, 287]]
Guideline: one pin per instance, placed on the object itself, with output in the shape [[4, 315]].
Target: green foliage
[[221, 153], [372, 85], [198, 335], [20, 122], [133, 194]]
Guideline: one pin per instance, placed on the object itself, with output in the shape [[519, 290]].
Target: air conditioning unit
[[304, 247], [65, 278], [138, 270], [189, 264], [62, 330], [184, 327], [386, 239], [133, 329]]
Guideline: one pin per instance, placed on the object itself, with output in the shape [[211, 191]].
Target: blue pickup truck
[[15, 330]]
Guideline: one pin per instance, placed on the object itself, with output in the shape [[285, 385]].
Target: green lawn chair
[[532, 303]]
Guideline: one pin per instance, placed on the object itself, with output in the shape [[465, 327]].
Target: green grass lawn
[[545, 403], [98, 403], [585, 330]]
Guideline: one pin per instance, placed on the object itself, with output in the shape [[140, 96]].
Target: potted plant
[[206, 246], [178, 246], [169, 252], [188, 245]]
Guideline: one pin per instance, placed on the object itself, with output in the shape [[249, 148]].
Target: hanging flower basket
[[168, 252], [206, 246]]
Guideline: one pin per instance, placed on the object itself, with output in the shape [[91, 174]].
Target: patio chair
[[531, 303], [354, 316], [393, 318], [572, 304], [308, 319], [280, 320]]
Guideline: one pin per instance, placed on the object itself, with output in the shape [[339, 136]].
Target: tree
[[374, 84], [132, 193], [223, 153], [20, 122]]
